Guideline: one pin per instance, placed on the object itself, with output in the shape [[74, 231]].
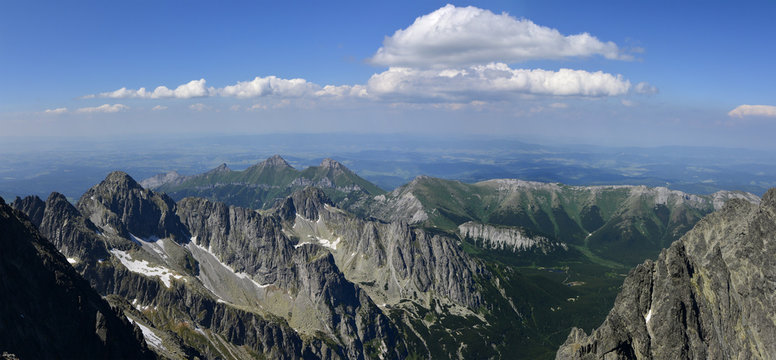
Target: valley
[[342, 268]]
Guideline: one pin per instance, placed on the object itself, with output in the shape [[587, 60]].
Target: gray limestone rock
[[710, 295]]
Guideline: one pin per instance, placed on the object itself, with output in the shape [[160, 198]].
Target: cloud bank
[[456, 36], [61, 110], [191, 89], [497, 80], [452, 55], [105, 108], [753, 110], [479, 82]]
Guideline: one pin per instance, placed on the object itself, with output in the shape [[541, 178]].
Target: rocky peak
[[306, 202], [119, 180], [769, 199], [219, 169], [275, 161], [172, 177], [119, 204], [31, 205], [710, 295], [329, 163], [58, 202]]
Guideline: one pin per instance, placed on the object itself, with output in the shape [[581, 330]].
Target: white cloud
[[492, 81], [191, 89], [753, 110], [56, 111], [559, 105], [645, 88], [199, 107], [105, 108], [455, 36], [343, 91], [270, 85], [628, 103]]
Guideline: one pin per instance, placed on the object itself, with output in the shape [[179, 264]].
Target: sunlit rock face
[[708, 296]]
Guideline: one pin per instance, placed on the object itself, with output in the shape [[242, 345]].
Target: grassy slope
[[607, 223], [608, 232]]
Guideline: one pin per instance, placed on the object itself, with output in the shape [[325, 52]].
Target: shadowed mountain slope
[[47, 310]]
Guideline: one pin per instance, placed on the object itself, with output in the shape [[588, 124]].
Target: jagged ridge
[[709, 295]]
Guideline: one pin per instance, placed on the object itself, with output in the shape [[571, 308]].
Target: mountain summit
[[710, 295], [275, 160], [266, 183]]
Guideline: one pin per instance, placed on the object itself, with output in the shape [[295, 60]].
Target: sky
[[655, 73]]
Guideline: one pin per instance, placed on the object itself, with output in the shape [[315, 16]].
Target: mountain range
[[319, 263]]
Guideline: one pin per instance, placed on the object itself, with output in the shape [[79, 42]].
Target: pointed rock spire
[[330, 163], [275, 160], [219, 169]]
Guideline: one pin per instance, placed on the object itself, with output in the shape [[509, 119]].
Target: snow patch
[[72, 260], [144, 268], [321, 241], [153, 243], [140, 307], [648, 316], [328, 243], [151, 338]]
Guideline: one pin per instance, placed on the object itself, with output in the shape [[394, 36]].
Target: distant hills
[[260, 186], [620, 223]]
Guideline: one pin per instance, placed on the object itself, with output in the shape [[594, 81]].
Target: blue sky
[[602, 72]]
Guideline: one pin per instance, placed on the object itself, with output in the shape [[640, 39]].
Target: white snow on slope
[[144, 268], [72, 260], [151, 338], [648, 316], [152, 244]]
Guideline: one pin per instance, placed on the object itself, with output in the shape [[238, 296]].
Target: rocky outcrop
[[304, 282], [47, 310], [73, 235], [32, 206], [709, 295], [171, 178], [399, 260], [306, 203], [241, 238], [256, 245], [506, 238], [121, 206]]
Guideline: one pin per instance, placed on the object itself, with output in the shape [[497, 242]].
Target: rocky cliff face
[[398, 261], [320, 298], [47, 309], [506, 238], [709, 295], [120, 206], [203, 277]]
